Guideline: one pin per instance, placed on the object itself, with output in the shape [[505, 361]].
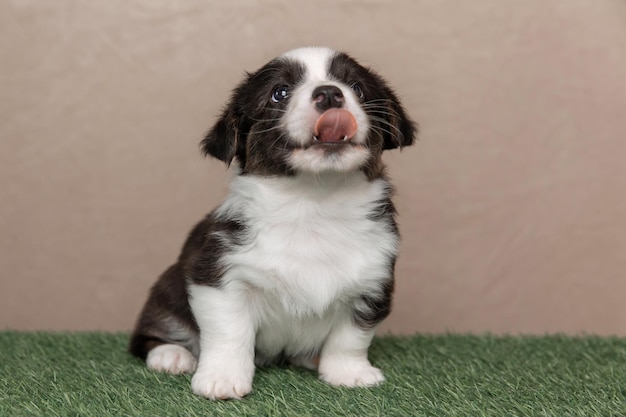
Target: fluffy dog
[[297, 264]]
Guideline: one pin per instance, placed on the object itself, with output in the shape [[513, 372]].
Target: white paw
[[170, 358], [349, 372], [222, 382]]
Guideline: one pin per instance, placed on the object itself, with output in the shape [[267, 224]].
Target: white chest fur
[[312, 241]]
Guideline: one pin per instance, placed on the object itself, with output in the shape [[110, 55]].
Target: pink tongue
[[334, 125]]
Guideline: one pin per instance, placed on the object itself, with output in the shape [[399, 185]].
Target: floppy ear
[[401, 130], [223, 139]]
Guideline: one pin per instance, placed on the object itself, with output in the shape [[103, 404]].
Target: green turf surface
[[90, 374]]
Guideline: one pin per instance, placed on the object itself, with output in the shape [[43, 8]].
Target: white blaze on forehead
[[301, 115], [316, 60]]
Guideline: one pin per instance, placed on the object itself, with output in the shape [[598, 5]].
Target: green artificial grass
[[90, 374]]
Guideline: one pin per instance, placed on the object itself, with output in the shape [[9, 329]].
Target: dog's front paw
[[349, 372], [222, 383], [170, 358]]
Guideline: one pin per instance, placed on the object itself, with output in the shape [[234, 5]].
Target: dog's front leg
[[226, 365], [343, 360]]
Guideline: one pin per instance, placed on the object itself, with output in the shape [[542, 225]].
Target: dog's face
[[310, 110]]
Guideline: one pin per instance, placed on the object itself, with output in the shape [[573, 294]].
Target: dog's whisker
[[272, 109], [269, 129], [269, 120], [387, 123], [388, 132], [382, 110], [396, 136], [380, 100]]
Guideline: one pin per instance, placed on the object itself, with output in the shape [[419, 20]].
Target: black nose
[[327, 96]]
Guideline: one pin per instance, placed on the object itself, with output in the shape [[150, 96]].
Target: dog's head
[[310, 110]]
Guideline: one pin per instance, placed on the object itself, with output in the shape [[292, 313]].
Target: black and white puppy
[[297, 264]]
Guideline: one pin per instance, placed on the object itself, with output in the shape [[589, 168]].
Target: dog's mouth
[[334, 144], [334, 127]]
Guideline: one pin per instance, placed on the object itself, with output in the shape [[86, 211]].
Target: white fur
[[315, 160], [315, 59]]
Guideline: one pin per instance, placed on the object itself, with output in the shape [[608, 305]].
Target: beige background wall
[[513, 203]]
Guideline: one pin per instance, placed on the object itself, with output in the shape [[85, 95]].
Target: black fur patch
[[374, 309], [385, 211], [220, 236], [248, 127]]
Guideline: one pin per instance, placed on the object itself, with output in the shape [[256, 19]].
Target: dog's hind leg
[[166, 335]]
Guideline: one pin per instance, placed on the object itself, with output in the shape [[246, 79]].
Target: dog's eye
[[357, 90], [280, 93]]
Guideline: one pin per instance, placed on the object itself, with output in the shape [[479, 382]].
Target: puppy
[[297, 264]]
